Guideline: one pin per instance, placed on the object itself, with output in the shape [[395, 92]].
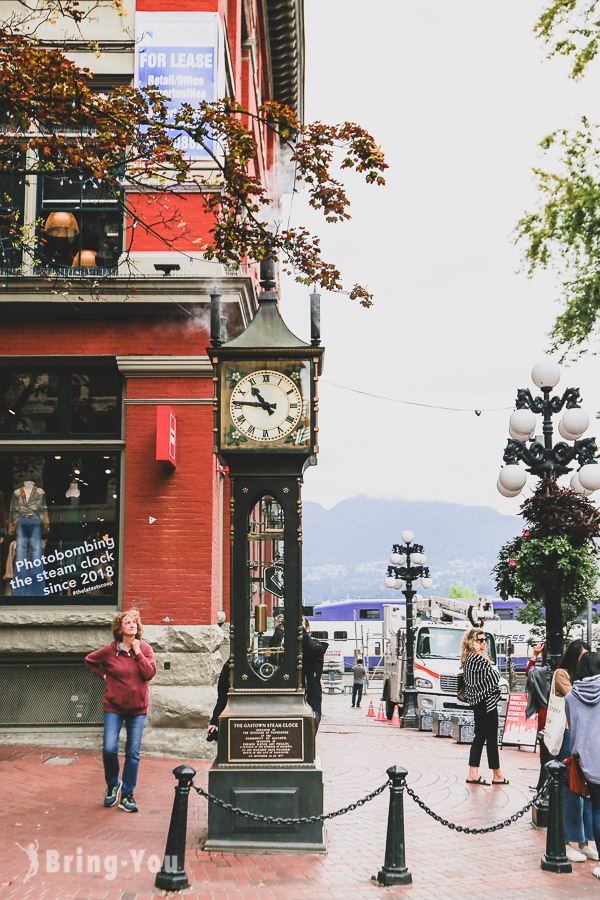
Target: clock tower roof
[[267, 330]]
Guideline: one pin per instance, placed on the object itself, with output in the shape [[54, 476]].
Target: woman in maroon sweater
[[126, 665]]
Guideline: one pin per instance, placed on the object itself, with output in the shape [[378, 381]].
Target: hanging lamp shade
[[85, 260], [61, 225]]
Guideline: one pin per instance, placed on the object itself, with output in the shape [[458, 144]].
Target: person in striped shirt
[[482, 693]]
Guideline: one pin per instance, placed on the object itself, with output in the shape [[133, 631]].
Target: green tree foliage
[[457, 591], [557, 550], [564, 231]]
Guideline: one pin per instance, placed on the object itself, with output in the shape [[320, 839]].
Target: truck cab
[[437, 651]]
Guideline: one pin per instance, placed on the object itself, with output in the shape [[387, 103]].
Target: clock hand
[[250, 403], [270, 407]]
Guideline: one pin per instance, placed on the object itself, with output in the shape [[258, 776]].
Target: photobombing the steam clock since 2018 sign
[[181, 54]]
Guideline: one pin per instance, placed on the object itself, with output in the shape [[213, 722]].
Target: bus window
[[340, 635], [369, 614]]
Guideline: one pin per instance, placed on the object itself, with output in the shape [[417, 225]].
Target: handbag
[[556, 721], [461, 688], [577, 780]]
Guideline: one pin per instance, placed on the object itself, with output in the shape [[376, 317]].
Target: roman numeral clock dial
[[265, 405]]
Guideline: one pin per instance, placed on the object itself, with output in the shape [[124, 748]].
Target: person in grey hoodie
[[582, 706]]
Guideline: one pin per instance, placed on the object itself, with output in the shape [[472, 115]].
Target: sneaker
[[129, 805], [573, 855], [112, 794], [596, 871], [589, 852]]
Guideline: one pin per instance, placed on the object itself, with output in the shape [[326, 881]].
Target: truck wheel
[[389, 706]]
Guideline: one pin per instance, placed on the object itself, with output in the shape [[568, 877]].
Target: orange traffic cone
[[381, 715], [371, 711], [396, 717]]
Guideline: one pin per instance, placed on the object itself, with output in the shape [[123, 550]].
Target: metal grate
[[50, 693], [449, 683]]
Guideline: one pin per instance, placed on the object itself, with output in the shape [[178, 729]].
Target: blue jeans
[[29, 548], [134, 726], [357, 690], [577, 811], [595, 795]]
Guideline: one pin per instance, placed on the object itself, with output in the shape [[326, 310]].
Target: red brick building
[[91, 519]]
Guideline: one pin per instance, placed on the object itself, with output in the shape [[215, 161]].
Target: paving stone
[[59, 809]]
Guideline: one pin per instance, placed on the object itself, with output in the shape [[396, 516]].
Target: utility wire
[[477, 412]]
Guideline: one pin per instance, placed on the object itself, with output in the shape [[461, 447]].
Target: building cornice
[[285, 39], [164, 366]]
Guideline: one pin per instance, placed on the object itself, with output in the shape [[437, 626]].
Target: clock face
[[266, 405]]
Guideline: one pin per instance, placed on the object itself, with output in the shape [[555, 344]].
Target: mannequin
[[27, 516]]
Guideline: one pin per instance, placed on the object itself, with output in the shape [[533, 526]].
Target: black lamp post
[[408, 564], [548, 460]]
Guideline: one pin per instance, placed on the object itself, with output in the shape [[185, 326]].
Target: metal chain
[[278, 820], [465, 828]]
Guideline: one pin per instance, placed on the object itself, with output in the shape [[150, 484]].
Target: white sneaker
[[574, 855], [596, 871], [589, 852]]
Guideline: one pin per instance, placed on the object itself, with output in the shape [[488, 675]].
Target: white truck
[[439, 626]]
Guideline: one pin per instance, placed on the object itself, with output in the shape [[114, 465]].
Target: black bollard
[[554, 859], [394, 870], [172, 876]]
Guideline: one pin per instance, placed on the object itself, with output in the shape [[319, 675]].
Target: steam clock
[[265, 427]]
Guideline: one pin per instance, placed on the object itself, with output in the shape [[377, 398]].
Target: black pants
[[357, 690], [486, 732]]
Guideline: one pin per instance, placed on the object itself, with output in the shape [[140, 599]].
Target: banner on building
[[181, 54]]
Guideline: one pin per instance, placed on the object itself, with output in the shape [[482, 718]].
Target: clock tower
[[265, 429]]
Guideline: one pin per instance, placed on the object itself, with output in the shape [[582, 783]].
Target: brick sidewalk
[[58, 809]]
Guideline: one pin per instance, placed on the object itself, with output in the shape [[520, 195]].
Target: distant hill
[[346, 549]]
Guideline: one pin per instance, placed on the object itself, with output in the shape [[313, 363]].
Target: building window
[[81, 224], [369, 614], [58, 520], [59, 404], [12, 198]]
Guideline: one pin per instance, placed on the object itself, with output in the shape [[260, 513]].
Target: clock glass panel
[[265, 404]]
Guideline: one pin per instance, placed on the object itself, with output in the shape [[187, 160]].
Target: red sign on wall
[[166, 435]]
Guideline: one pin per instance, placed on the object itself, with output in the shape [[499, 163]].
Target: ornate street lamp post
[[407, 565], [550, 461]]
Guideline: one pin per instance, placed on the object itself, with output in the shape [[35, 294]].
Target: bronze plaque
[[266, 740]]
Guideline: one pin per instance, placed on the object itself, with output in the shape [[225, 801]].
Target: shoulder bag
[[577, 780], [556, 721], [461, 688]]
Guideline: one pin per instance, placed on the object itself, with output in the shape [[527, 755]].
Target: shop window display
[[58, 528]]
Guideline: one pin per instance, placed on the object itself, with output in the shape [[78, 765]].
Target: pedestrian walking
[[360, 673], [212, 732], [582, 705], [481, 679], [577, 811], [127, 664], [537, 686], [313, 653]]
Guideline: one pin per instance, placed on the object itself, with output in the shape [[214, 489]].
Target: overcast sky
[[458, 95]]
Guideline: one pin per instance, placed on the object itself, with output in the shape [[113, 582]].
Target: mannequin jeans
[[28, 549], [134, 726]]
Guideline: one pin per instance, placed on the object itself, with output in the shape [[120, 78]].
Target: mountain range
[[346, 548]]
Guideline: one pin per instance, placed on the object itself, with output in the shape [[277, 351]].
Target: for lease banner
[[180, 53]]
